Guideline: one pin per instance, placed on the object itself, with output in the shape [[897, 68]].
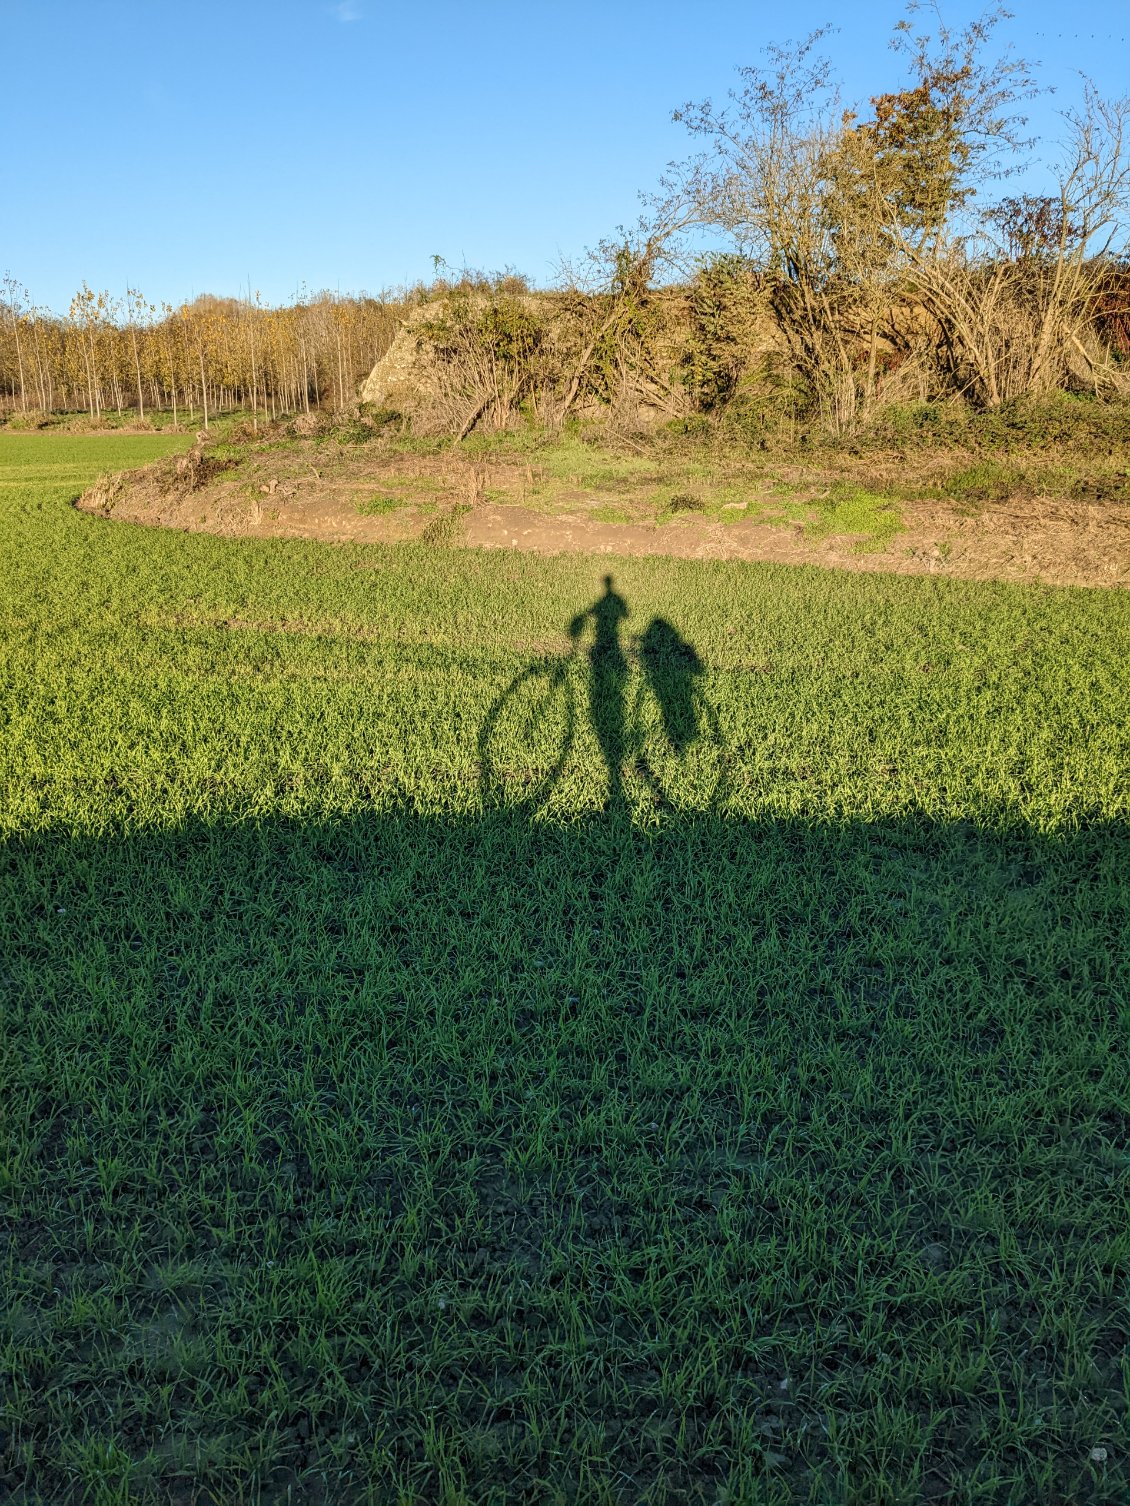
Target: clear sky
[[192, 147]]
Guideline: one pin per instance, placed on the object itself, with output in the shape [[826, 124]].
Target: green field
[[399, 1108]]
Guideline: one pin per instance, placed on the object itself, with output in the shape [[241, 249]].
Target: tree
[[14, 294], [852, 216], [138, 312]]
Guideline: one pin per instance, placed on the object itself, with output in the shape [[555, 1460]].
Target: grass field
[[453, 1058]]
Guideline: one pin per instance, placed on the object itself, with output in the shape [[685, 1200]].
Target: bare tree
[[14, 294], [856, 219]]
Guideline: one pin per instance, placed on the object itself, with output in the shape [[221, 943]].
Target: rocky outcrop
[[407, 370], [445, 377]]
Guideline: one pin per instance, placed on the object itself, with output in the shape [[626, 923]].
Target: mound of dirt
[[369, 494]]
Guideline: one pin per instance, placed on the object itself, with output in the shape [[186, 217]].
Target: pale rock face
[[402, 376], [406, 373]]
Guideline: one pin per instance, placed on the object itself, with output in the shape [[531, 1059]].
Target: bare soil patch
[[368, 495]]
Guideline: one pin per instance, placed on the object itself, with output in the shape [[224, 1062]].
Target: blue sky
[[194, 147]]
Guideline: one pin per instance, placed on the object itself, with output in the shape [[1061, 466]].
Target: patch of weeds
[[587, 467], [376, 507], [445, 529], [413, 483], [106, 492], [382, 419], [1114, 487], [694, 426], [355, 432], [608, 513], [489, 442], [984, 481], [1057, 421], [918, 426], [420, 444], [679, 504], [849, 509]]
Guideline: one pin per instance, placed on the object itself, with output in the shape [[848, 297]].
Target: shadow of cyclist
[[607, 682], [671, 668]]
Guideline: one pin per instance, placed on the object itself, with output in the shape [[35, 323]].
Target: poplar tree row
[[110, 354]]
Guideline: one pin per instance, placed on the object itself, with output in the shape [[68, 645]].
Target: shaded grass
[[394, 1120], [610, 1154]]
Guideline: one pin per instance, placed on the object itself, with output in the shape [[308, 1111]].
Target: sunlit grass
[[850, 509], [375, 507]]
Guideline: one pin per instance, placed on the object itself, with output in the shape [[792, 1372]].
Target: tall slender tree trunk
[[203, 385], [254, 382], [20, 361], [137, 368]]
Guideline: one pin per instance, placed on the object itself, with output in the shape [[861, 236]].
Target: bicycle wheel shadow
[[672, 672]]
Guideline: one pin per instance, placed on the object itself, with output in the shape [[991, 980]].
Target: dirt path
[[502, 506], [1038, 541]]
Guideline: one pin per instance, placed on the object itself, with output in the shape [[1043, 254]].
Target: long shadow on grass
[[436, 1155], [542, 696]]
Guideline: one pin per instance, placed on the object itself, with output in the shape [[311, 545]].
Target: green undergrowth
[[451, 1056], [375, 507], [849, 509], [1060, 422]]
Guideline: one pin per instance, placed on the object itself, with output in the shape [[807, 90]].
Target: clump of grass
[[672, 502], [850, 509], [376, 507], [684, 502], [106, 492], [984, 481], [446, 528]]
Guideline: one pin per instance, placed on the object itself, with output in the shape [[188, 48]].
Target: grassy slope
[[388, 1112]]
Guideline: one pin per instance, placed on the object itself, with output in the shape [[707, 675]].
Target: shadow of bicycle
[[643, 699]]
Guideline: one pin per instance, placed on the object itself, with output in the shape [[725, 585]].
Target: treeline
[[214, 354]]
